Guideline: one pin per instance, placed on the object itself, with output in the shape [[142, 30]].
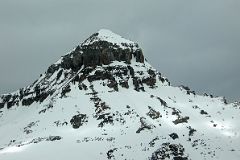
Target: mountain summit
[[101, 48], [103, 100], [109, 36]]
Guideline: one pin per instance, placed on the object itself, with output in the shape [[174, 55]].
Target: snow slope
[[115, 111]]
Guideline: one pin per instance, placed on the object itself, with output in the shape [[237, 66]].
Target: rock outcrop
[[99, 51]]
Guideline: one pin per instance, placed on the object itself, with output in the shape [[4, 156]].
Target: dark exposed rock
[[144, 125], [181, 120], [21, 93], [132, 73], [40, 139], [110, 153], [53, 138], [153, 114], [2, 105], [52, 68], [49, 106], [27, 92], [78, 120], [92, 78], [224, 100], [150, 81], [41, 96], [137, 84], [106, 56], [161, 79], [10, 104], [78, 48], [152, 73], [124, 83], [100, 75], [91, 57], [152, 142], [37, 90], [58, 123], [99, 105], [67, 62], [126, 56], [176, 112], [191, 131], [203, 112], [65, 90], [189, 92], [106, 119], [139, 56], [44, 95], [59, 74], [82, 86], [173, 136], [6, 98], [163, 103], [76, 79], [85, 71], [103, 52], [77, 60], [208, 95], [113, 84], [186, 88], [28, 129], [169, 151], [27, 102]]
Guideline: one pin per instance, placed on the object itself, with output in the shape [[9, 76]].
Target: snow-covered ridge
[[101, 101], [109, 36]]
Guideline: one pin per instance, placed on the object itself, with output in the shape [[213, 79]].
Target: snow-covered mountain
[[103, 100]]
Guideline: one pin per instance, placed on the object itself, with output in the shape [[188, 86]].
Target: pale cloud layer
[[195, 43]]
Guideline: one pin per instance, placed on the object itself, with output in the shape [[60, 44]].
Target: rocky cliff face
[[104, 101], [99, 51]]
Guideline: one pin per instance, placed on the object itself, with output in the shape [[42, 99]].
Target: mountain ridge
[[103, 100]]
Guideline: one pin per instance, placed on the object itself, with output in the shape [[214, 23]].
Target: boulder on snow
[[78, 120]]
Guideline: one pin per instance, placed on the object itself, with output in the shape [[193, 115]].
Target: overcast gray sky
[[195, 43]]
